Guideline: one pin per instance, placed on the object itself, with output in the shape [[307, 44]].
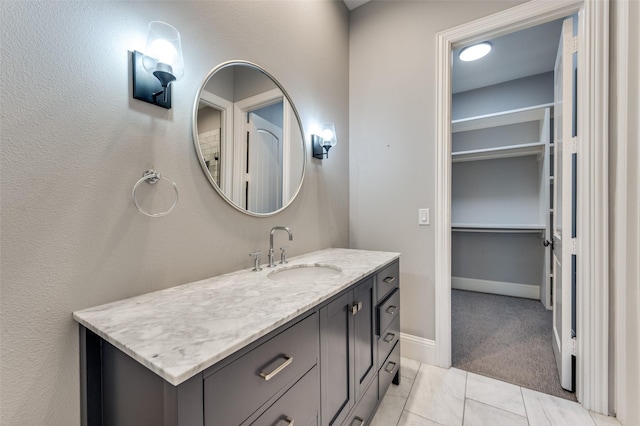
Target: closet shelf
[[521, 115], [500, 152], [498, 228]]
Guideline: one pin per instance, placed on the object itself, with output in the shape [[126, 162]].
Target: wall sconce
[[160, 64], [323, 142]]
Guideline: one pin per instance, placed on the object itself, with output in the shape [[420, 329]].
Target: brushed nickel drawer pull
[[289, 420], [389, 280], [391, 310], [268, 376], [389, 337], [359, 421], [390, 364], [354, 309]]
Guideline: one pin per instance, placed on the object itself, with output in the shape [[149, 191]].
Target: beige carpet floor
[[507, 338]]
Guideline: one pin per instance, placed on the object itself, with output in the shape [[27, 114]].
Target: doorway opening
[[592, 299], [506, 109]]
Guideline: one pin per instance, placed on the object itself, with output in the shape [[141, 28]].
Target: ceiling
[[516, 55]]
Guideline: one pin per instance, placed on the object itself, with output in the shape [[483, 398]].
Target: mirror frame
[[196, 141]]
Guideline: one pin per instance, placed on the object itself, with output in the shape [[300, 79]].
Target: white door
[[564, 218], [264, 165]]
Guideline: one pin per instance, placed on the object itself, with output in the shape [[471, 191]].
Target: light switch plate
[[423, 217]]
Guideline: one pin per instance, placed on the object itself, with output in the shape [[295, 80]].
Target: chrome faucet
[[275, 228]]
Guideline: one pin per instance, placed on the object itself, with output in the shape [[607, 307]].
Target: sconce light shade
[[158, 66], [323, 142]]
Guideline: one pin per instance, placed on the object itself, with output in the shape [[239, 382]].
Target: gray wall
[[520, 93], [483, 191], [74, 142], [510, 258], [392, 121]]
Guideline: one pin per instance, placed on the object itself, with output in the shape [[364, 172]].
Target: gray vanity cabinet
[[365, 354], [329, 366], [336, 359], [388, 327], [349, 355], [348, 351]]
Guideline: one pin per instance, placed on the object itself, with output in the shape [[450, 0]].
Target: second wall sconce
[[158, 66], [322, 143]]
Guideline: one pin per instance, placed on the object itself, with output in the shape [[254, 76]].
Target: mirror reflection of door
[[264, 159], [209, 130]]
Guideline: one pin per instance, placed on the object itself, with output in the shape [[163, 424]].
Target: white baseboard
[[528, 291], [418, 348]]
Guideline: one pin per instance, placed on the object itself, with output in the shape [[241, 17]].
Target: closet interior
[[501, 203], [502, 180]]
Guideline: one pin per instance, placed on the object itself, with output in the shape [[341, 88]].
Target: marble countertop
[[180, 331]]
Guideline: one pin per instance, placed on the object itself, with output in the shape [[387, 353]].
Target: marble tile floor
[[429, 395]]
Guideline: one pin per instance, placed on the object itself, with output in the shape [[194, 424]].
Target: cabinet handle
[[357, 422], [268, 376], [391, 310], [289, 421], [390, 364], [389, 337], [356, 307], [389, 280]]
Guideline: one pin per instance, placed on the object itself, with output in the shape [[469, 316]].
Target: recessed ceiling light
[[475, 52]]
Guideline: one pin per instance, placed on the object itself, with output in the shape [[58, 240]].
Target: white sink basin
[[301, 273]]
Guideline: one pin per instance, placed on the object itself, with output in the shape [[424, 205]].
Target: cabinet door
[[336, 365], [364, 335]]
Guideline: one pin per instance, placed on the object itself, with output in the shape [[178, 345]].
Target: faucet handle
[[256, 260], [283, 255]]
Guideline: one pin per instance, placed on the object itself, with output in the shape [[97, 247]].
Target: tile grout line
[[407, 398], [525, 406], [464, 397], [498, 408]]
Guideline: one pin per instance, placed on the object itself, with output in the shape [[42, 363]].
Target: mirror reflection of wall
[[239, 82], [209, 127]]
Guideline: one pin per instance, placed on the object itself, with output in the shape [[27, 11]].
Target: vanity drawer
[[300, 404], [388, 339], [388, 371], [363, 411], [387, 280], [388, 311], [237, 390]]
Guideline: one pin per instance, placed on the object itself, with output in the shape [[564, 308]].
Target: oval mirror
[[249, 138]]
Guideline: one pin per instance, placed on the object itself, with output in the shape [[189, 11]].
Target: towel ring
[[152, 177]]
